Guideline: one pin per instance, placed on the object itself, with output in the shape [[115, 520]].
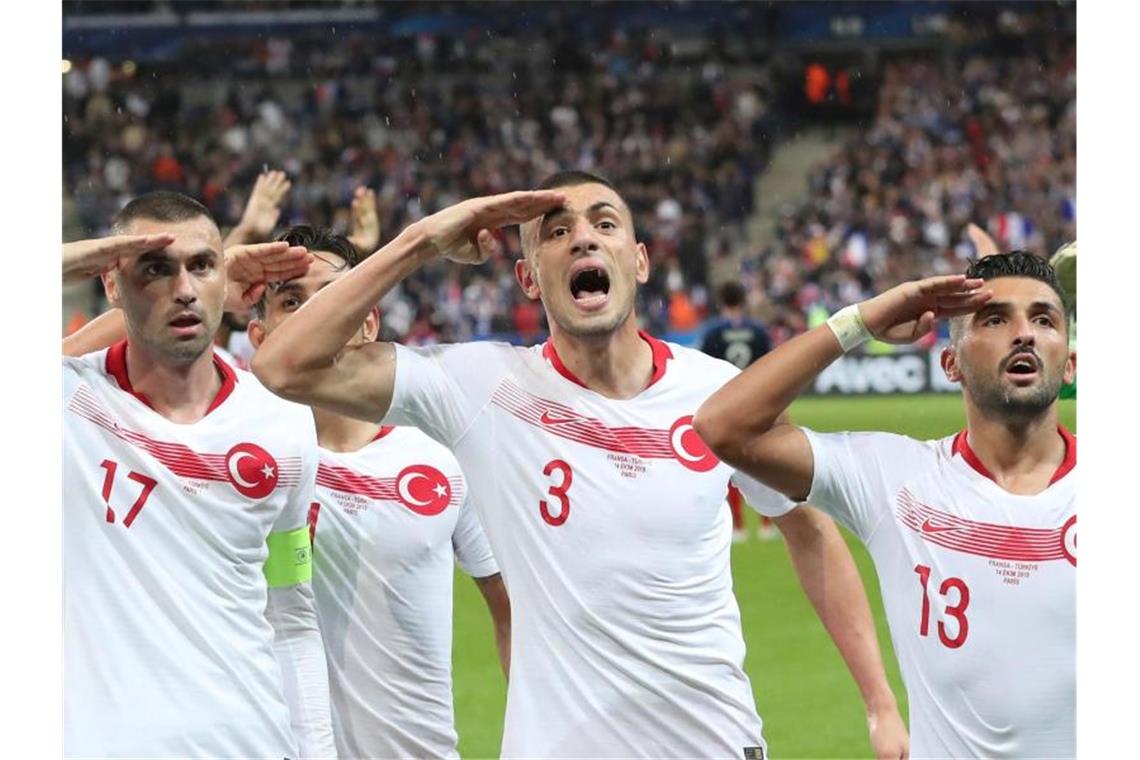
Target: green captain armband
[[290, 558]]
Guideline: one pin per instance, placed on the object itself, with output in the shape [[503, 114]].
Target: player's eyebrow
[[1045, 306], [594, 208], [163, 255]]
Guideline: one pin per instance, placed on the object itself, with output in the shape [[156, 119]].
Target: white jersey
[[607, 518], [167, 650], [387, 522], [979, 587]]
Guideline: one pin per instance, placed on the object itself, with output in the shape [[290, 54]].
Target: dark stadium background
[[814, 152]]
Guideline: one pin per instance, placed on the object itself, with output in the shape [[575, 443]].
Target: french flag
[[1013, 230]]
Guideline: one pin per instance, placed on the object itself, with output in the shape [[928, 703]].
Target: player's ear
[[527, 278], [949, 360], [371, 327], [111, 288], [1071, 367], [642, 263], [256, 332]]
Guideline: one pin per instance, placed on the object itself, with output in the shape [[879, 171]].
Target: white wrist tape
[[849, 328]]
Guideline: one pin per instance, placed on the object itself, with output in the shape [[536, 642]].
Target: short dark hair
[[1012, 264], [572, 177], [160, 206], [731, 295], [1017, 264], [323, 239], [315, 239]]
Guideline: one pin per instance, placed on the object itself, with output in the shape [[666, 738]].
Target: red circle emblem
[[1069, 540], [688, 447], [423, 489], [252, 470]]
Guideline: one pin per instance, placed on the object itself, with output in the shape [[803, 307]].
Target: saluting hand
[[249, 268], [907, 312], [84, 259], [464, 232]]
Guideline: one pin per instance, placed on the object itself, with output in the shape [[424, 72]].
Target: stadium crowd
[[991, 141], [432, 119], [426, 127]]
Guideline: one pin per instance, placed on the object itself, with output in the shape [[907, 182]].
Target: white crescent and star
[[404, 486]]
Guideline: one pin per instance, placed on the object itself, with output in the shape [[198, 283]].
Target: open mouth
[[1023, 364], [590, 285], [185, 322]]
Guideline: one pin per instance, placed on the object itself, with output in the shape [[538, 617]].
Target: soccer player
[[738, 339], [974, 536], [189, 624], [390, 513], [603, 507]]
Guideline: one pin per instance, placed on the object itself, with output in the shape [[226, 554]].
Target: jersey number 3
[[147, 484], [556, 468], [956, 610]]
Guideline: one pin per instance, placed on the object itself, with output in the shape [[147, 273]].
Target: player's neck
[[182, 393], [1022, 455], [336, 432], [618, 365]]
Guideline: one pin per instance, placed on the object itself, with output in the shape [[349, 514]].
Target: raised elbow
[[710, 424], [274, 372]]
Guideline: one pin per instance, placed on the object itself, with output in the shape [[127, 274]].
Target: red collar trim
[[661, 355], [117, 368], [383, 431], [962, 446]]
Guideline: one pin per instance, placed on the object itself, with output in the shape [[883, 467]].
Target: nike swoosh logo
[[929, 527], [549, 419]]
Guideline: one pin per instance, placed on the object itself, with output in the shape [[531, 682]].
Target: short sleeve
[[472, 550], [767, 501], [848, 480], [441, 389]]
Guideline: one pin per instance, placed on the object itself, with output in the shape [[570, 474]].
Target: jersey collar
[[383, 431], [117, 368], [962, 446], [661, 355]]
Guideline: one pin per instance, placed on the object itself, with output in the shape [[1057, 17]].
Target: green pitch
[[806, 697]]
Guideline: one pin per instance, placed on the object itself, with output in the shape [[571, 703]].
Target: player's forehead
[[588, 196], [1022, 292], [191, 236]]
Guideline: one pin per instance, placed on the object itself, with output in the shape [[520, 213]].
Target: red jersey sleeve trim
[[383, 431], [961, 446], [660, 350], [117, 368]]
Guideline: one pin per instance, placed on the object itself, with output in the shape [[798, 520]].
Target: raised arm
[[306, 358], [832, 584], [364, 229], [261, 210], [740, 422]]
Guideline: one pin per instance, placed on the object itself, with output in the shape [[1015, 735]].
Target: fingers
[[516, 207], [134, 245], [267, 262], [273, 185], [257, 249]]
